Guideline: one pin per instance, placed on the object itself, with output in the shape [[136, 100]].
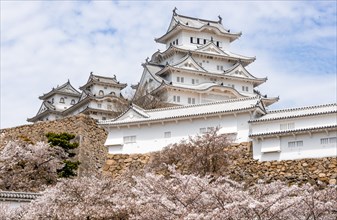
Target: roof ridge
[[202, 104], [100, 76], [302, 108], [197, 19]]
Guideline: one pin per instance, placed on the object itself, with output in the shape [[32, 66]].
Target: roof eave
[[184, 117]]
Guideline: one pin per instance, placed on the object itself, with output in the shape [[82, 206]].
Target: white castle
[[100, 98], [204, 86]]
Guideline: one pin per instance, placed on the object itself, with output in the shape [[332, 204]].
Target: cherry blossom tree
[[179, 196], [28, 167]]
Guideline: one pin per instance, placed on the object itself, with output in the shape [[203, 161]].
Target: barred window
[[129, 139], [167, 134]]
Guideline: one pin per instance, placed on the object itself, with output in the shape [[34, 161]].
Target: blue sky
[[43, 44]]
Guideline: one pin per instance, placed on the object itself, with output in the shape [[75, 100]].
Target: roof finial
[[147, 59], [91, 73], [220, 19], [174, 11]]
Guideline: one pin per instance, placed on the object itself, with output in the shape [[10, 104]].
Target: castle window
[[180, 79], [52, 101], [176, 98], [109, 107], [191, 40], [198, 40], [247, 88], [129, 139], [331, 140], [287, 126], [72, 102], [191, 100], [61, 100], [324, 140], [176, 41], [99, 105], [101, 93], [295, 144], [103, 118], [204, 41], [167, 134]]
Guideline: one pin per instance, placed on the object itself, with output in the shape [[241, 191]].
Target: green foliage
[[68, 170], [61, 140]]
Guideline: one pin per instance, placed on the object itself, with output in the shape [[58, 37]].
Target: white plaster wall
[[67, 101], [299, 122], [151, 137], [184, 38], [183, 97], [312, 147], [211, 64], [106, 89], [206, 79]]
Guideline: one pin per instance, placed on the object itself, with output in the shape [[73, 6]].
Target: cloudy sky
[[43, 44]]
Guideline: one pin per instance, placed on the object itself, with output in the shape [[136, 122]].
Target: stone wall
[[93, 155], [91, 151], [117, 164], [243, 168]]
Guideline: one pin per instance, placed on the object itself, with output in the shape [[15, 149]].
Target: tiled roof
[[66, 89], [190, 23], [298, 112], [198, 110], [292, 131], [225, 75], [224, 54], [96, 79], [18, 196]]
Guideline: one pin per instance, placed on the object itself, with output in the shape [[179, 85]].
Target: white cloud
[[45, 43]]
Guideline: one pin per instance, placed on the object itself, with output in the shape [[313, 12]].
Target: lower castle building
[[100, 98]]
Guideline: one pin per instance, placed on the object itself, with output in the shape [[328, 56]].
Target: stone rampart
[[244, 168], [91, 151]]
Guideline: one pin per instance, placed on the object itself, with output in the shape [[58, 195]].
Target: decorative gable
[[68, 89], [190, 64], [211, 48], [240, 71], [132, 113], [45, 106]]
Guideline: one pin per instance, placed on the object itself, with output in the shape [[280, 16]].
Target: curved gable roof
[[65, 89], [179, 22]]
